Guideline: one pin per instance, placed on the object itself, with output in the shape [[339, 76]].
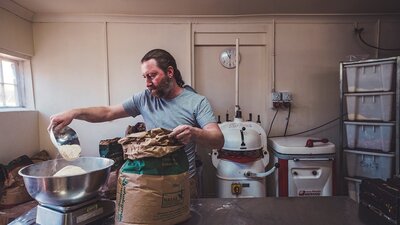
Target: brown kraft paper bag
[[153, 184]]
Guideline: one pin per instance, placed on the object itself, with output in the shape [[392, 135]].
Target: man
[[165, 103]]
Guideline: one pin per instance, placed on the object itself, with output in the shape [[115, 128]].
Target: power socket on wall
[[281, 99], [286, 96], [276, 96]]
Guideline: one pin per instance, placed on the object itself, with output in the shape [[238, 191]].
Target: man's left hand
[[183, 133]]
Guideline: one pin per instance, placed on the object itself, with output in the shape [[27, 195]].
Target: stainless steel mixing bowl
[[68, 190]]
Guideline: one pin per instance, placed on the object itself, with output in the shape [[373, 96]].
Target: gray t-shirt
[[188, 108]]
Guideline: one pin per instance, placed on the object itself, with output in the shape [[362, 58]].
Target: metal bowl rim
[[63, 177]]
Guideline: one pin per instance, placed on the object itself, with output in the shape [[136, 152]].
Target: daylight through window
[[10, 84]]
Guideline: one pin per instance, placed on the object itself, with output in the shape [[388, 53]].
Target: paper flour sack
[[153, 184]]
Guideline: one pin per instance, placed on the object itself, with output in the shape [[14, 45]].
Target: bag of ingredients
[[153, 184], [111, 149], [138, 127], [14, 191], [41, 156], [12, 186]]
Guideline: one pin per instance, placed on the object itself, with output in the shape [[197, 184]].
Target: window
[[11, 84]]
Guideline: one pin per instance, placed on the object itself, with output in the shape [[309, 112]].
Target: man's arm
[[90, 114], [210, 135]]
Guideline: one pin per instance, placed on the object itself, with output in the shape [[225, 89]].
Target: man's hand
[[210, 135], [183, 133], [60, 120]]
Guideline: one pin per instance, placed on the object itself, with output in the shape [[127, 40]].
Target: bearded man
[[166, 103]]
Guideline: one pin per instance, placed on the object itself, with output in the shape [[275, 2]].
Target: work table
[[338, 210], [276, 211]]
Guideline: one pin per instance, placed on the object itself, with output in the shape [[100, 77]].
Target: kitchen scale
[[79, 214]]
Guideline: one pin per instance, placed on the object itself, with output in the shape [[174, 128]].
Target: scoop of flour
[[69, 171], [70, 152]]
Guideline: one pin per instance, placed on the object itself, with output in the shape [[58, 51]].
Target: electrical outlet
[[286, 96], [276, 96]]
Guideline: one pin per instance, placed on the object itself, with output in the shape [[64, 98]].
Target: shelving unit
[[369, 127]]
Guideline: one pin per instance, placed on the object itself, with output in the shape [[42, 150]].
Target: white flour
[[69, 171], [70, 152]]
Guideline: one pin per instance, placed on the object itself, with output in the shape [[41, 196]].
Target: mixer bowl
[[68, 190]]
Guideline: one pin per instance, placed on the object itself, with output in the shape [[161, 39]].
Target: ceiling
[[207, 7]]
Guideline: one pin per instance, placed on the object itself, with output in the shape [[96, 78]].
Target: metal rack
[[341, 169]]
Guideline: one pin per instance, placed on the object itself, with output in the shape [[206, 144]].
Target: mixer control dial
[[236, 188]]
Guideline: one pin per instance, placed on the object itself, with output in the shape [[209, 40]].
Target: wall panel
[[100, 63], [16, 34], [69, 72], [129, 42]]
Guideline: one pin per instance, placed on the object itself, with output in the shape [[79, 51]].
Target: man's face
[[159, 83]]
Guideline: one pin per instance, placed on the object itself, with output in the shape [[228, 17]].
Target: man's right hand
[[60, 120]]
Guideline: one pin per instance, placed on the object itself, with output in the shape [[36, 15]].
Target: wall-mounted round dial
[[228, 58]]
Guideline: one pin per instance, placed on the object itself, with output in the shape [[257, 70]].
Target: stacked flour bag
[[153, 183]]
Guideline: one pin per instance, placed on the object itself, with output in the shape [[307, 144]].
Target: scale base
[[84, 215]]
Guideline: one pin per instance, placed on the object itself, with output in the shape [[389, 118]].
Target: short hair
[[164, 59]]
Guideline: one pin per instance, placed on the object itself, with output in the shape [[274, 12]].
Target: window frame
[[20, 84], [25, 79]]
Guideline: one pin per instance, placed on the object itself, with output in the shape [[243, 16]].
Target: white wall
[[69, 70], [308, 51], [16, 34], [79, 64], [19, 135], [129, 42], [18, 129]]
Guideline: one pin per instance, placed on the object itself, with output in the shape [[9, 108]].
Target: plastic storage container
[[370, 106], [353, 187], [369, 164], [368, 135], [370, 76]]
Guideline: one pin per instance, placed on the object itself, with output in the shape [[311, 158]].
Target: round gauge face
[[228, 58]]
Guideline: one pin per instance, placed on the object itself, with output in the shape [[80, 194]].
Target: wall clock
[[227, 58]]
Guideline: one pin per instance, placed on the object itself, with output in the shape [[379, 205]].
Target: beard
[[163, 88]]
